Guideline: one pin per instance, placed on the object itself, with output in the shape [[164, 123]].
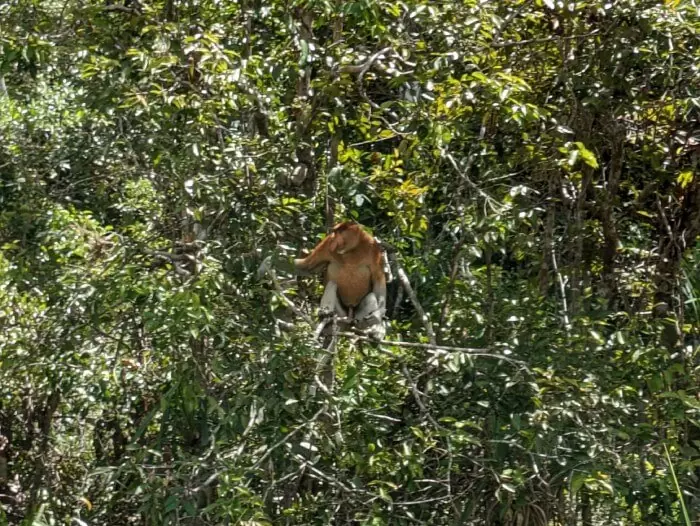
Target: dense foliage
[[533, 164]]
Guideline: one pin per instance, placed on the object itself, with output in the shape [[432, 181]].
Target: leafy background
[[533, 163]]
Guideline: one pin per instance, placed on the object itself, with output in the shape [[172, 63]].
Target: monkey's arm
[[316, 261], [303, 269], [300, 266], [275, 261], [379, 287]]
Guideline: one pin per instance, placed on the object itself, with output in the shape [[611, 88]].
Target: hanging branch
[[333, 168], [562, 291], [406, 284], [289, 303], [454, 267], [175, 260], [465, 177], [464, 174], [363, 68]]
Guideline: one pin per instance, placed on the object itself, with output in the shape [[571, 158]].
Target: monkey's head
[[345, 237]]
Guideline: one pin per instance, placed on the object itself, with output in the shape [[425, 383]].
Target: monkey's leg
[[368, 311], [368, 316], [330, 303]]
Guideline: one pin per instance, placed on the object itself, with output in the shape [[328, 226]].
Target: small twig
[[509, 19], [363, 68], [370, 62], [121, 9], [451, 284], [332, 480], [286, 438], [372, 141], [667, 225], [417, 396], [465, 177], [325, 364], [562, 290], [289, 303], [387, 266], [174, 260], [330, 319], [397, 303], [322, 325], [457, 253], [422, 501], [169, 256], [406, 284]]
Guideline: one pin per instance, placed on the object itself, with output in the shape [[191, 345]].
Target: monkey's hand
[[326, 311], [265, 267], [275, 261], [373, 318]]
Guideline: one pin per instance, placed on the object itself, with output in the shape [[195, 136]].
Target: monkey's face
[[337, 242], [344, 238]]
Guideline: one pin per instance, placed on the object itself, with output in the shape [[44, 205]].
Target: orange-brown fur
[[353, 260]]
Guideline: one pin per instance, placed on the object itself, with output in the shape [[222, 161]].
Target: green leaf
[[587, 156], [685, 178], [170, 503]]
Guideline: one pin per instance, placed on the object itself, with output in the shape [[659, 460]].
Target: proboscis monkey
[[354, 274], [351, 261]]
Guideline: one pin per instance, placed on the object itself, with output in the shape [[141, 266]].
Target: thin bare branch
[[562, 290], [406, 284], [289, 303], [287, 438]]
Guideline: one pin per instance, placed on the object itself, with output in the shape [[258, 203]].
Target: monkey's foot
[[325, 313], [376, 332], [375, 318]]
